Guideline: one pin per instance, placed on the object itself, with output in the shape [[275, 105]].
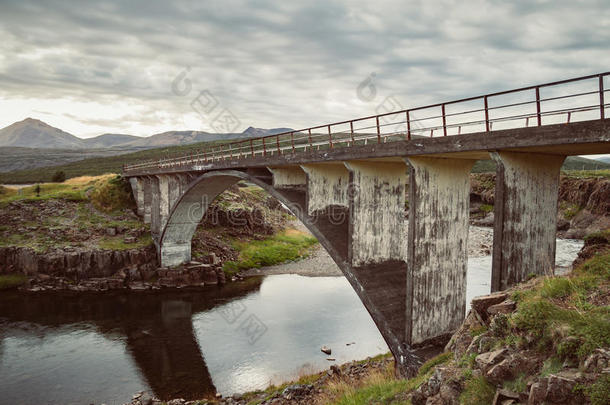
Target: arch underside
[[380, 287]]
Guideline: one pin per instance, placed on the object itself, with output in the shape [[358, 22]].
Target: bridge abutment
[[439, 200], [525, 210]]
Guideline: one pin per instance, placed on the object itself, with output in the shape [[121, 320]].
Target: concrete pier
[[327, 185], [439, 192], [525, 209], [377, 212]]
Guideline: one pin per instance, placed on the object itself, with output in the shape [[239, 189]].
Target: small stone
[[111, 231], [326, 350], [129, 239], [505, 307], [487, 360]]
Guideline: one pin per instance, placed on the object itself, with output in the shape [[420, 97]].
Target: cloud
[[279, 63]]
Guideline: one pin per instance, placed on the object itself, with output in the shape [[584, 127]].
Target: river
[[58, 348]]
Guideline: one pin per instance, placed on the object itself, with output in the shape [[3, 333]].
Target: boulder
[[505, 307], [480, 304], [486, 361]]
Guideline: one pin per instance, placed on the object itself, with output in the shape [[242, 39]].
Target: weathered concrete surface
[[137, 187], [377, 212], [327, 185], [148, 195], [163, 183], [155, 208], [525, 210], [439, 191], [175, 241], [288, 176]]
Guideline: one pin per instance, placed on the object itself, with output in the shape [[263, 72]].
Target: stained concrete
[[288, 176], [137, 187], [377, 211], [147, 198], [439, 191], [327, 184], [525, 212]]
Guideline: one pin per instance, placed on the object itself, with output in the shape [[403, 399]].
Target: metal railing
[[577, 99]]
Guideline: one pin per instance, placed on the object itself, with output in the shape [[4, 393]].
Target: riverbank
[[546, 340], [83, 235]]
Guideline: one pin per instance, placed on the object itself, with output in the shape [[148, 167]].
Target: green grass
[[117, 243], [12, 281], [477, 391], [47, 192], [599, 392], [559, 315], [281, 248], [112, 195], [487, 208], [517, 385], [552, 365], [579, 174], [377, 391]]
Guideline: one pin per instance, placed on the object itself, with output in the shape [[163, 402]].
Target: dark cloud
[[289, 63]]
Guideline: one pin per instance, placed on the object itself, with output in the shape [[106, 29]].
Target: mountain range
[[33, 133]]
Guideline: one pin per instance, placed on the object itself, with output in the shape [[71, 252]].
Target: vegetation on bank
[[558, 320], [12, 281], [287, 246]]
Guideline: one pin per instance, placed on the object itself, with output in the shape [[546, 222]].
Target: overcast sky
[[108, 66]]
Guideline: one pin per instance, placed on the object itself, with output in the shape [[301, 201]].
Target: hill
[[37, 134], [571, 163]]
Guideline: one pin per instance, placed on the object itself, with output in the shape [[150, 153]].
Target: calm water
[[102, 348]]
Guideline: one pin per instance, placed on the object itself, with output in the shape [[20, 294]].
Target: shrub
[[12, 281], [59, 177], [112, 195]]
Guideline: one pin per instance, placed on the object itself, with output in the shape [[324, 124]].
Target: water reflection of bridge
[[157, 328]]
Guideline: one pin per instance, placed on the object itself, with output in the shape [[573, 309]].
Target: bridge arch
[[175, 239], [174, 245]]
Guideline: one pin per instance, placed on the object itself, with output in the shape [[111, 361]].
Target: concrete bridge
[[388, 195]]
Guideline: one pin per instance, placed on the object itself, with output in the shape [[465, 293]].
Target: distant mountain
[[252, 132], [605, 159], [32, 133], [109, 140]]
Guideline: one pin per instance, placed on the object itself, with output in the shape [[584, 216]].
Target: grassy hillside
[[112, 164], [96, 166], [571, 163]]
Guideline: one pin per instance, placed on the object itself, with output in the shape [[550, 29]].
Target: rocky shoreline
[[105, 270]]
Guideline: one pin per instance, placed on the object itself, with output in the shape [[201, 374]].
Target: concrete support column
[[288, 177], [525, 211], [437, 254], [137, 187], [148, 192], [155, 208], [377, 212], [327, 185], [175, 190], [164, 206]]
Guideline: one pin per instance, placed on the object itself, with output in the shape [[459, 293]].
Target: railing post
[[486, 114], [408, 126], [309, 136], [277, 141], [444, 120], [264, 147], [351, 129], [602, 113], [230, 152], [292, 140], [378, 130], [251, 148], [330, 138], [538, 114]]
